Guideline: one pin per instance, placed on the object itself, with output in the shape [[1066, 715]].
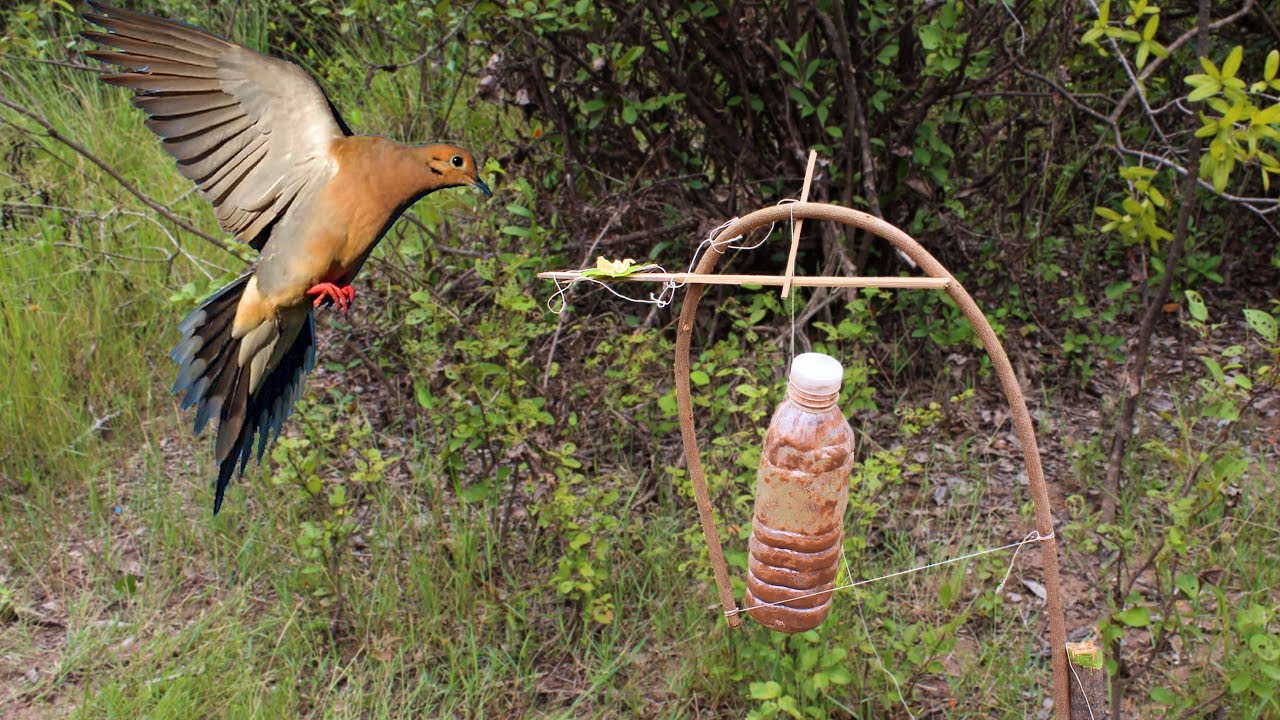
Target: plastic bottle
[[802, 490]]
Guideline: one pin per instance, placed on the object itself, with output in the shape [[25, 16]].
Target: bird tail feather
[[213, 378]]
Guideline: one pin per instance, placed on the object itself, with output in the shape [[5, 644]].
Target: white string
[[1014, 559], [1033, 536], [558, 301], [661, 299], [1083, 693], [710, 241], [792, 298], [866, 629], [728, 243]]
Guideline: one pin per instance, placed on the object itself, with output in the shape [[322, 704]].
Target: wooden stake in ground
[[1088, 681]]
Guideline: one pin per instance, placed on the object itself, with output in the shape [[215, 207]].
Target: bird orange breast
[[357, 204]]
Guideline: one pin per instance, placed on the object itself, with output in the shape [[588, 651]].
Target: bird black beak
[[479, 184]]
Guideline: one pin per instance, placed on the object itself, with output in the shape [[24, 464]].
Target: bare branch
[[53, 133]]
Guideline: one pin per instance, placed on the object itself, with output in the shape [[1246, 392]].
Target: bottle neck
[[810, 401]]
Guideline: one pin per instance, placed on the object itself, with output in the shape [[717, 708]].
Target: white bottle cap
[[816, 374]]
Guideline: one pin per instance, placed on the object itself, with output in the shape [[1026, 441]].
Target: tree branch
[[55, 134]]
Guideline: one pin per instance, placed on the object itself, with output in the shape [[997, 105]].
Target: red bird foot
[[340, 295]]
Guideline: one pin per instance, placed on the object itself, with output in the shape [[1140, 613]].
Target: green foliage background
[[481, 510]]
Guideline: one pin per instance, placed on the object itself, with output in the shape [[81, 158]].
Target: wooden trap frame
[[937, 278]]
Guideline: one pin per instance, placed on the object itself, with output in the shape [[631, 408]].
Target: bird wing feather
[[253, 132]]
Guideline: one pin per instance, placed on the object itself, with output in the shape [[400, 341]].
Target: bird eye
[[457, 161]]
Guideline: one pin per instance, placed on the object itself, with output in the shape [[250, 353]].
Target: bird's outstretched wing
[[252, 131]]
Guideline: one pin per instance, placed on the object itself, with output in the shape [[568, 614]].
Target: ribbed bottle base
[[800, 576]]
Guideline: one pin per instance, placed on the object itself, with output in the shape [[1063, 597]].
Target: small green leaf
[[1195, 304], [1163, 695], [1149, 31], [838, 675], [667, 404], [1135, 617], [1273, 64], [1264, 646], [1117, 290], [765, 690], [1205, 90], [1269, 116], [1232, 64], [127, 584], [1222, 173], [1215, 370], [1262, 323], [699, 377], [338, 496], [1188, 583], [475, 493]]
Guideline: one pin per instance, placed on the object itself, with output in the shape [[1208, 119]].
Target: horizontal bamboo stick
[[910, 283]]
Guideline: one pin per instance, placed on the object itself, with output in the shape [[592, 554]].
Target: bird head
[[453, 167]]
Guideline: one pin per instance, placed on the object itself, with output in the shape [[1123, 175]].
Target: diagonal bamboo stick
[[795, 232]]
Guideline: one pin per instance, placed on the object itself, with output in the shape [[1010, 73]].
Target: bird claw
[[340, 295]]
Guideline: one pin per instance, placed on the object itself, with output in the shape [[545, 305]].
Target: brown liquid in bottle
[[802, 489]]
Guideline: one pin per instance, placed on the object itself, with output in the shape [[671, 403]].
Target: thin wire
[[866, 629], [793, 326], [1033, 536]]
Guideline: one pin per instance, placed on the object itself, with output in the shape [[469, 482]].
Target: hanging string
[[1033, 536], [792, 299]]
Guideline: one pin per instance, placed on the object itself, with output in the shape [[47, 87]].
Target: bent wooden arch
[[1000, 361]]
